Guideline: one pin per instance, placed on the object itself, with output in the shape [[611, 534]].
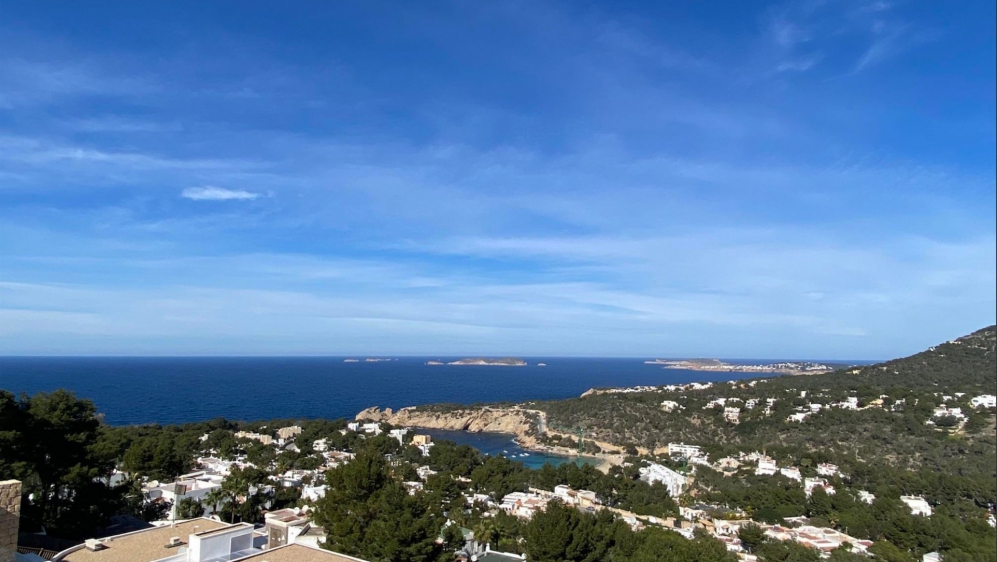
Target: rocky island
[[503, 362]]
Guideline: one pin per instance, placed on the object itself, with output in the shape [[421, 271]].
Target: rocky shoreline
[[524, 424]]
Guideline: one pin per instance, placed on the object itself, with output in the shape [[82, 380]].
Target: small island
[[502, 362]]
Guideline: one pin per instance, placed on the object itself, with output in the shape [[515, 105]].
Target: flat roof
[[145, 545], [299, 553]]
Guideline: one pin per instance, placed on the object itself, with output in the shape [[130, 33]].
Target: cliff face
[[489, 420]]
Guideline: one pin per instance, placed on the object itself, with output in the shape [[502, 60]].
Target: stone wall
[[10, 512]]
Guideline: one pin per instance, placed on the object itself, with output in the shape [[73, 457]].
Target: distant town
[[716, 365]]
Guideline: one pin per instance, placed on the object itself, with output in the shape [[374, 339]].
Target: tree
[[49, 443], [485, 532], [368, 514], [215, 497], [189, 508], [563, 534], [787, 551], [819, 503], [946, 421], [846, 555], [752, 536]]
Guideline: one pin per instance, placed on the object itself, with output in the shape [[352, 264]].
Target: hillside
[[892, 420], [967, 363]]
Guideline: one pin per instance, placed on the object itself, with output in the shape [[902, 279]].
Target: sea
[[172, 390]]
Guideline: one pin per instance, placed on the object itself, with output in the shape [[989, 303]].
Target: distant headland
[[716, 365]]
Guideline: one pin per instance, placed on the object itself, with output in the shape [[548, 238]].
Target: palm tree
[[485, 532], [214, 497]]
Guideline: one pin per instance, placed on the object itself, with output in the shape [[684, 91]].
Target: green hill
[[968, 363], [894, 423]]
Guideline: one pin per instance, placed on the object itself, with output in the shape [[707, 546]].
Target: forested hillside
[[895, 401], [968, 363]]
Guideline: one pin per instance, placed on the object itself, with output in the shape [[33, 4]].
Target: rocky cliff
[[490, 420]]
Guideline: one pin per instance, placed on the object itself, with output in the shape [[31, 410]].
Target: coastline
[[604, 461], [520, 423]]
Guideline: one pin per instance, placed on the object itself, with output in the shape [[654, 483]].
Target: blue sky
[[733, 179]]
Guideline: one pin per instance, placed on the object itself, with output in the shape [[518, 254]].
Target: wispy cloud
[[889, 40], [798, 65], [212, 193]]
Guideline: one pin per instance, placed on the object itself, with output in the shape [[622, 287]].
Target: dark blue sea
[[136, 390]]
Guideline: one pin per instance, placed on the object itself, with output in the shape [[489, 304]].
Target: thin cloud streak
[[212, 193]]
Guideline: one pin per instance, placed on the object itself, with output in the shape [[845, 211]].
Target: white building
[[206, 540], [265, 439], [984, 401], [569, 496], [810, 484], [313, 493], [944, 411], [523, 505], [671, 406], [798, 418], [766, 467], [289, 432], [917, 505], [674, 481], [732, 415], [398, 434], [827, 469], [196, 486], [683, 450], [792, 473], [866, 497]]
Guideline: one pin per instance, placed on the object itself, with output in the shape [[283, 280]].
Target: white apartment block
[[683, 450], [674, 481], [732, 415], [398, 434], [290, 432]]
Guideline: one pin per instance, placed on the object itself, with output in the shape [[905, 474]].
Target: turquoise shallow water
[[502, 444]]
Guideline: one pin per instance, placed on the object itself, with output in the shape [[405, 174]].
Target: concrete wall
[[10, 513]]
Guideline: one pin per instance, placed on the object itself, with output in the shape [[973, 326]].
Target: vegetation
[[886, 447]]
